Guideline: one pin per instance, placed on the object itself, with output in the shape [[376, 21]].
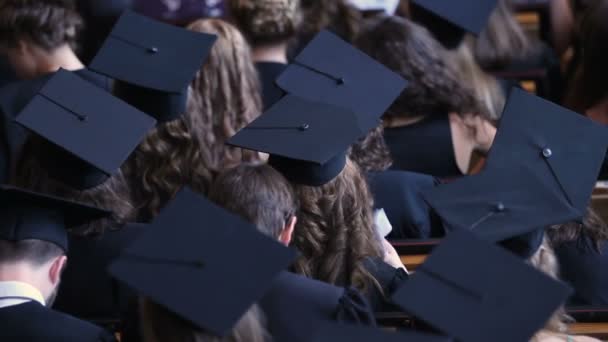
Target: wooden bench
[[534, 81], [414, 252]]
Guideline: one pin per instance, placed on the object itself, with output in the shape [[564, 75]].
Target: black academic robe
[[424, 147], [13, 98], [295, 305], [268, 73], [390, 279], [86, 290], [399, 194], [33, 322], [586, 270]]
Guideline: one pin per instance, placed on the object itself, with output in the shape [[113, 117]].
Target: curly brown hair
[[113, 194], [266, 21], [371, 153], [337, 16], [593, 226], [334, 231], [47, 23], [411, 51], [223, 98]]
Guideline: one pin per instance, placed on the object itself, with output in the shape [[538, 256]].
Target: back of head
[[371, 153], [411, 51], [338, 16], [334, 232], [32, 252], [266, 22], [224, 96], [161, 325], [48, 24], [503, 40]]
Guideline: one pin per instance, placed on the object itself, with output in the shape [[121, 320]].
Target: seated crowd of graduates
[[241, 179]]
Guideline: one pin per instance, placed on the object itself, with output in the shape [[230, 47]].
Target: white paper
[[381, 223], [388, 6]]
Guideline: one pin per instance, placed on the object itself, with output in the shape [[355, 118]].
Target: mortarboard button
[[547, 153], [153, 50], [500, 207]]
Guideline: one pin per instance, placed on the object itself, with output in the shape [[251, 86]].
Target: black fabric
[[424, 147], [398, 193], [586, 270], [389, 278], [294, 305], [32, 322], [13, 98], [86, 290], [268, 73]]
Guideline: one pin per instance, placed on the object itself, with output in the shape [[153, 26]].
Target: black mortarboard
[[91, 132], [307, 141], [563, 148], [204, 254], [28, 215], [153, 63], [450, 20], [486, 293], [329, 70], [511, 206], [328, 332]]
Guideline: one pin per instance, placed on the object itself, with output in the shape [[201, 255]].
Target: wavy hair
[[113, 194], [337, 15], [410, 50], [266, 21], [371, 153], [334, 231], [593, 226]]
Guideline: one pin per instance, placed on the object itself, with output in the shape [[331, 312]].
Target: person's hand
[[391, 256]]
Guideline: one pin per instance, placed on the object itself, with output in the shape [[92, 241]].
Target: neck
[[599, 112], [20, 273], [62, 57], [270, 53]]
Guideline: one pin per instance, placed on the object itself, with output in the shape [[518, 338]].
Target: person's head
[[503, 40], [33, 30], [371, 153], [161, 325], [260, 195], [113, 194], [335, 232], [338, 16], [36, 262], [410, 50], [592, 227], [266, 22], [224, 96]]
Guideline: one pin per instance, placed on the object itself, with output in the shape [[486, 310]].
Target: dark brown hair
[[266, 21], [259, 194], [593, 227], [46, 23], [411, 51], [189, 151], [336, 15], [371, 153], [334, 232], [36, 252], [161, 325], [113, 194]]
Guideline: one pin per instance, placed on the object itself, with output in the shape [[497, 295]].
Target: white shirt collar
[[16, 292]]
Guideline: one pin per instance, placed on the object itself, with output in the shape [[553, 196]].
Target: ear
[[287, 232], [22, 47], [57, 268]]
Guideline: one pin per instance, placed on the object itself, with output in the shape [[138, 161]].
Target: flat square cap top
[[214, 265], [559, 145], [329, 70], [469, 15], [328, 332], [29, 215], [85, 121], [150, 54], [301, 130], [495, 296]]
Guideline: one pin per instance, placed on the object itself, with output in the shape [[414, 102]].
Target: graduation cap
[[91, 133], [328, 332], [560, 146], [204, 254], [449, 21], [26, 215], [329, 70], [307, 141], [486, 293], [153, 63], [511, 206]]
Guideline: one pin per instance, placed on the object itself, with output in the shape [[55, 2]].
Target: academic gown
[[295, 304], [13, 98], [585, 270], [424, 147], [86, 290], [399, 194], [389, 278], [32, 322], [268, 73]]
